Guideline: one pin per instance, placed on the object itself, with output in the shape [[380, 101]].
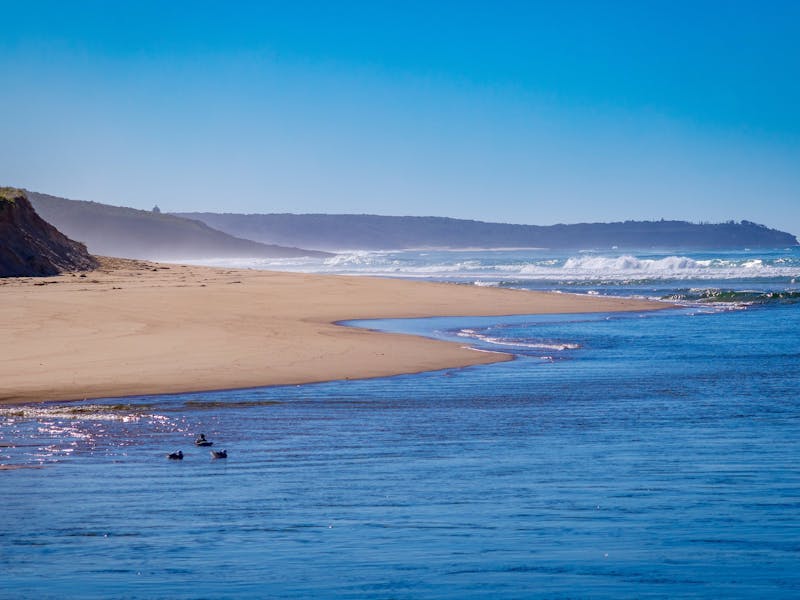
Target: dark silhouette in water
[[202, 441]]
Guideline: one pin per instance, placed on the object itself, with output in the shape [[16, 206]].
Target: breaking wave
[[516, 343], [497, 267], [628, 267], [716, 296], [85, 412]]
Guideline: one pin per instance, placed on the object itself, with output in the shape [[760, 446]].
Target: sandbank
[[140, 328]]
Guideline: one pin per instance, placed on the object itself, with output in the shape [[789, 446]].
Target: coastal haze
[[373, 232], [131, 233], [364, 300]]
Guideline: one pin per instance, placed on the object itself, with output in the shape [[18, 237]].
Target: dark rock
[[30, 246]]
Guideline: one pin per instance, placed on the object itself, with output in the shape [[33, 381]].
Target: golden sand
[[135, 328]]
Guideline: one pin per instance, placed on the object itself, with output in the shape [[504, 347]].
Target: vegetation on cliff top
[[9, 194]]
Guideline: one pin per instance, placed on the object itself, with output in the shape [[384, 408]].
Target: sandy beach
[[137, 328]]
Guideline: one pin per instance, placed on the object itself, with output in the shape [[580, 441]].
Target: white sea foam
[[492, 268], [541, 345], [84, 412]]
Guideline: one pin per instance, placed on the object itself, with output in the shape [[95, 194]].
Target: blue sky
[[504, 111]]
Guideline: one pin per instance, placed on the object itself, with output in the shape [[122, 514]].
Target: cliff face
[[30, 246]]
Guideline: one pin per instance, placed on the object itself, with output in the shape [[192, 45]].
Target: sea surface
[[634, 455]]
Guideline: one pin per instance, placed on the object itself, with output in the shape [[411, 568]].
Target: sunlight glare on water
[[629, 455]]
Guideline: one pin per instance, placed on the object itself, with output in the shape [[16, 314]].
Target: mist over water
[[648, 455], [530, 265]]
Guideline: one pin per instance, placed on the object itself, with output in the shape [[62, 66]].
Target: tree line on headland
[[373, 232]]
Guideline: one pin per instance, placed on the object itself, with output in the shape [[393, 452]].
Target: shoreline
[[134, 328]]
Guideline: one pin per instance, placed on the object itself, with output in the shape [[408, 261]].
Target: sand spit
[[135, 327]]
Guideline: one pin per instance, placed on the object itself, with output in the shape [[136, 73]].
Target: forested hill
[[372, 232], [131, 233]]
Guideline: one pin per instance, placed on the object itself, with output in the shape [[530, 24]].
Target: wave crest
[[516, 343], [510, 266]]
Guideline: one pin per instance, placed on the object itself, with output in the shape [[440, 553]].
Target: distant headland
[[155, 235], [150, 234], [373, 232]]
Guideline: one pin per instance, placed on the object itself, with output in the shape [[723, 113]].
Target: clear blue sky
[[510, 111]]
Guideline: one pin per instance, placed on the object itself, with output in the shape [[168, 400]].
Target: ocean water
[[638, 455]]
